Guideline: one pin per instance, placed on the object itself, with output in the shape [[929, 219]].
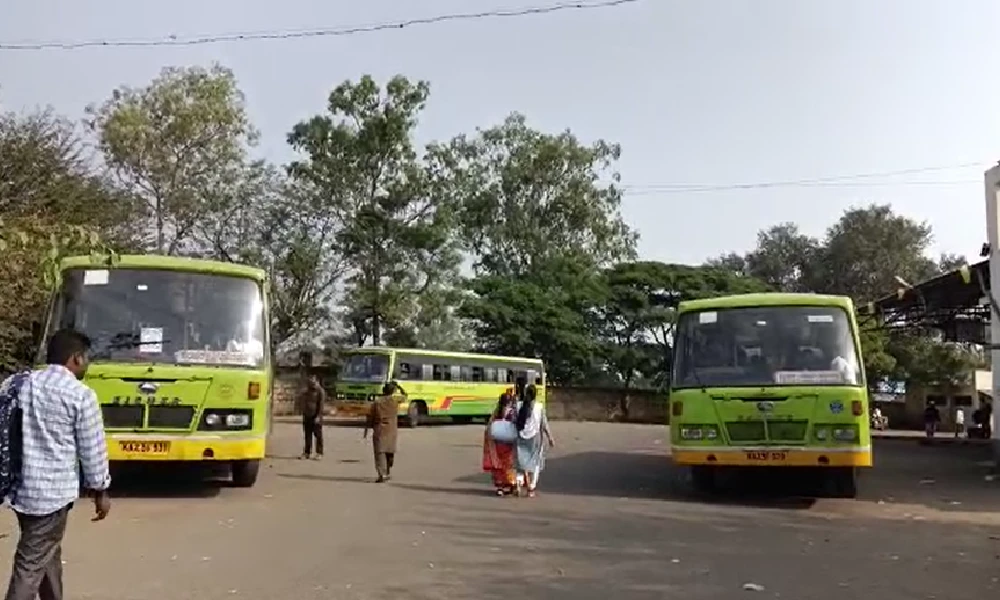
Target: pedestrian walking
[[383, 421], [312, 399], [61, 438]]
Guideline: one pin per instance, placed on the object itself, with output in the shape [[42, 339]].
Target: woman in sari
[[498, 457], [532, 425]]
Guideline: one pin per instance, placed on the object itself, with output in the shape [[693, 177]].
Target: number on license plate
[[766, 455], [145, 447]]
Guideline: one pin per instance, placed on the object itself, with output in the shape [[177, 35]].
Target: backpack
[[11, 440]]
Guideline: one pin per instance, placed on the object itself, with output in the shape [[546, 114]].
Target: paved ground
[[613, 521]]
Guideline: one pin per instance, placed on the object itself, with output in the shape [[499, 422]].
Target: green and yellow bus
[[772, 380], [459, 385], [180, 356]]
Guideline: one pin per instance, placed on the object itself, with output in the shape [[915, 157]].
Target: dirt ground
[[613, 519]]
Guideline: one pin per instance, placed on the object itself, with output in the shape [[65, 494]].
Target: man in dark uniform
[[311, 401], [382, 419]]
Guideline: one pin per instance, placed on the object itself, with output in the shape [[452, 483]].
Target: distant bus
[[772, 380], [459, 385]]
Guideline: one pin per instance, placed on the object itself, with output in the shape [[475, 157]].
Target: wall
[[563, 403], [910, 415]]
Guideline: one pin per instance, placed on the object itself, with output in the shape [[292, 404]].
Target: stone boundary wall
[[563, 403]]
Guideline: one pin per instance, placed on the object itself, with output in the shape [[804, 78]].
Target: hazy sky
[[712, 92]]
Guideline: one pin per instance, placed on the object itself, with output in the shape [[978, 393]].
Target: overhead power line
[[196, 40], [853, 180]]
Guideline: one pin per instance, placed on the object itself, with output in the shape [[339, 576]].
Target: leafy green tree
[[526, 198], [540, 215], [868, 249], [639, 312], [180, 145], [395, 231], [52, 203], [549, 315]]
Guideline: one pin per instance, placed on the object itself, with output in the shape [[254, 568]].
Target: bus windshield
[[765, 346], [365, 367], [163, 316]]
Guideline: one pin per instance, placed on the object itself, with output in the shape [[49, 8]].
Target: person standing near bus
[[383, 421], [312, 399]]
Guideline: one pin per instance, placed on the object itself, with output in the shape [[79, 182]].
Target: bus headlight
[[699, 432], [845, 434], [212, 420], [822, 433], [237, 420]]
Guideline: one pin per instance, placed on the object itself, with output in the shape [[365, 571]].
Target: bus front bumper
[[851, 456], [194, 447]]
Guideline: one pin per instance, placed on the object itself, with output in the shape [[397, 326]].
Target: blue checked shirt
[[63, 437]]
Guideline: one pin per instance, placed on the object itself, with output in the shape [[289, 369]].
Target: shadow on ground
[[168, 481], [647, 477]]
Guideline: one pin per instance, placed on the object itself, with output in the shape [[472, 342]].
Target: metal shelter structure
[[955, 303]]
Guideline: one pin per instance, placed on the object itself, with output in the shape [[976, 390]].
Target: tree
[[527, 198], [539, 213], [180, 145], [547, 315], [869, 249], [52, 203], [639, 312], [395, 230]]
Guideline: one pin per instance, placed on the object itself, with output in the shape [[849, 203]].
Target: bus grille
[[170, 417], [775, 431], [116, 416], [787, 431], [746, 431], [357, 397]]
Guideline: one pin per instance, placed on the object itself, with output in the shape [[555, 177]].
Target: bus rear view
[[770, 380]]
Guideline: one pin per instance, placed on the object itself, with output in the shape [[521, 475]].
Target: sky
[[711, 93]]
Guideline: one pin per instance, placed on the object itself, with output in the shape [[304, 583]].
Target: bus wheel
[[843, 482], [413, 414], [245, 472], [703, 479]]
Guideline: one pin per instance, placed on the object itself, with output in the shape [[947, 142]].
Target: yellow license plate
[[135, 447], [766, 456]]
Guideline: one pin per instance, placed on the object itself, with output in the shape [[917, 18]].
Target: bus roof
[[767, 299], [439, 353], [166, 263]]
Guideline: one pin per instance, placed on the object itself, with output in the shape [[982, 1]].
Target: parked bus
[[180, 356], [771, 380], [459, 385]]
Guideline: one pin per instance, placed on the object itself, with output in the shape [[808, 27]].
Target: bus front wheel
[[245, 472], [703, 479]]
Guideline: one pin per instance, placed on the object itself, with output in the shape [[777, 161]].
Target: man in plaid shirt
[[63, 439]]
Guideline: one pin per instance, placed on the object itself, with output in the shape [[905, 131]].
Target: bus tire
[[703, 479], [843, 482], [245, 472], [414, 412]]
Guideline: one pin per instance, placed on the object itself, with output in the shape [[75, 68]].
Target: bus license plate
[[766, 456], [144, 447]]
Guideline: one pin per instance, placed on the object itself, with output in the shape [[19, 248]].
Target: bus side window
[[440, 373], [404, 371], [490, 374], [510, 375], [455, 373], [477, 374], [466, 373], [427, 372]]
